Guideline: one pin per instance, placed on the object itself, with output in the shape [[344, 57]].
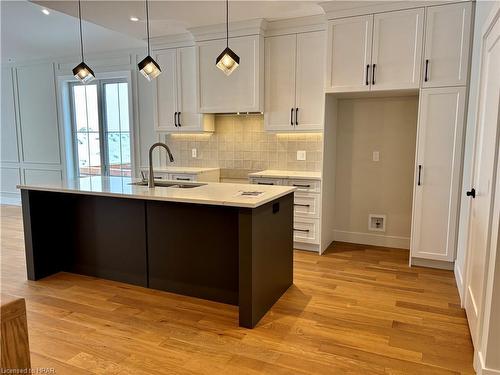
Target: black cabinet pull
[[301, 230], [302, 205], [265, 183], [183, 179], [175, 119], [291, 117], [426, 78], [367, 73], [419, 174], [471, 193], [296, 116], [302, 186], [179, 119], [373, 74]]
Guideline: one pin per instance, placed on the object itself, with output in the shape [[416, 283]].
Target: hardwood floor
[[355, 310]]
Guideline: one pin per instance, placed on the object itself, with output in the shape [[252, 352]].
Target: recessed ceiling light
[[134, 19], [45, 11]]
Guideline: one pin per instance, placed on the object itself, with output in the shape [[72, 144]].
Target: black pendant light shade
[[148, 67], [82, 72], [227, 61]]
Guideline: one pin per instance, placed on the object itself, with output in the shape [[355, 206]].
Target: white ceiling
[[174, 17], [26, 33]]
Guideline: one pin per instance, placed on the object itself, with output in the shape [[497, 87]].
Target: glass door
[[101, 128]]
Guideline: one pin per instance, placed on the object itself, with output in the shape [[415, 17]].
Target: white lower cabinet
[[306, 209], [437, 173]]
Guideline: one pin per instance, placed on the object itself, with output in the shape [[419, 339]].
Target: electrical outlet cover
[[194, 152], [301, 155]]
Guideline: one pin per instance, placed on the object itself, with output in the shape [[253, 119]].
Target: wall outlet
[[194, 152], [301, 155], [377, 222], [376, 156]]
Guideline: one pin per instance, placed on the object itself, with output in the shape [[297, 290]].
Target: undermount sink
[[169, 184]]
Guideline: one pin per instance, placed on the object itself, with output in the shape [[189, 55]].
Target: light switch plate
[[301, 155], [376, 156], [194, 152]]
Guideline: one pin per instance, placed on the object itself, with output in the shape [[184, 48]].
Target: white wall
[[483, 8]]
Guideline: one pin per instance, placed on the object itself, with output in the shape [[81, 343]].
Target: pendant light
[[227, 61], [148, 67], [82, 71]]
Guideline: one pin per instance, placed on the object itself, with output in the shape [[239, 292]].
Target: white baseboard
[[10, 199], [372, 239], [306, 246], [480, 367], [460, 283]]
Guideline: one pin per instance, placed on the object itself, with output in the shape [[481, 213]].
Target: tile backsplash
[[240, 143]]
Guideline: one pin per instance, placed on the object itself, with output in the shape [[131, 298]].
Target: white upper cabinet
[[294, 81], [447, 39], [310, 81], [437, 174], [397, 49], [243, 90], [176, 89], [280, 52], [349, 54]]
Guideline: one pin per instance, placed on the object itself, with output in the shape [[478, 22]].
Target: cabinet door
[[310, 81], [280, 52], [349, 54], [447, 37], [437, 178], [189, 119], [397, 49], [243, 90], [166, 88]]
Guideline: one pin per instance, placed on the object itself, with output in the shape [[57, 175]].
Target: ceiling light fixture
[[134, 19], [82, 71], [148, 67], [45, 11], [227, 61]]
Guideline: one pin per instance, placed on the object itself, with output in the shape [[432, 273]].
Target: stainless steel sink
[[170, 184]]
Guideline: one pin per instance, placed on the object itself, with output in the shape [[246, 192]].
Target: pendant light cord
[[227, 23], [81, 34], [147, 24]]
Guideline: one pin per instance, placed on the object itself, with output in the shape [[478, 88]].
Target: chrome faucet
[[151, 182]]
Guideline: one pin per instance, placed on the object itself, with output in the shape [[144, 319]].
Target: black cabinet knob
[[471, 193]]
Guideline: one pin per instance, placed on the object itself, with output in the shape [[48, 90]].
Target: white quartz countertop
[[212, 193], [273, 173], [192, 170]]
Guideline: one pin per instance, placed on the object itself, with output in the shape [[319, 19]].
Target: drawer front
[[306, 230], [182, 177], [309, 186], [306, 204], [266, 181]]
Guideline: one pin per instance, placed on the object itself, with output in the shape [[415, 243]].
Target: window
[[101, 128]]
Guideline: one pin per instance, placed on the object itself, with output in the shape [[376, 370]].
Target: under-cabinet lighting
[[45, 11], [134, 19]]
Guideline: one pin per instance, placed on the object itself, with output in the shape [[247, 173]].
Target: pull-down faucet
[[151, 182]]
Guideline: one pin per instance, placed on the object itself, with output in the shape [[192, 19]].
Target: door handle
[[373, 74], [175, 119], [419, 175], [296, 116], [291, 117], [426, 78], [179, 119], [471, 193], [367, 73]]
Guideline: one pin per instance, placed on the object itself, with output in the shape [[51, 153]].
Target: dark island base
[[239, 256]]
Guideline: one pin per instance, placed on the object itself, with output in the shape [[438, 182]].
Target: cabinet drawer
[[306, 204], [310, 186], [306, 230], [158, 175], [182, 177], [266, 181]]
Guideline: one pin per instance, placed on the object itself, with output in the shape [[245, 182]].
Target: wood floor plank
[[355, 310]]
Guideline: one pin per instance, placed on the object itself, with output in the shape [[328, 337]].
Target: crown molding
[[236, 29], [296, 25], [172, 41]]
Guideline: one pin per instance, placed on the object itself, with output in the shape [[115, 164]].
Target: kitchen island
[[230, 243]]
